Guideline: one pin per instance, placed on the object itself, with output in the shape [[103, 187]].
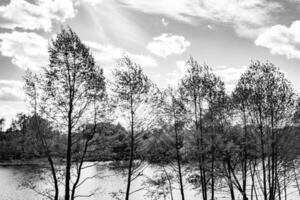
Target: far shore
[[41, 162]]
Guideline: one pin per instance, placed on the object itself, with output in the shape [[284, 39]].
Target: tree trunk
[[68, 162], [178, 157], [245, 158], [263, 157], [69, 149], [54, 177], [131, 152], [230, 184], [212, 170]]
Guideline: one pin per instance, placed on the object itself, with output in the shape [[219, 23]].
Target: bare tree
[[132, 87], [269, 99], [69, 87], [175, 114], [193, 86]]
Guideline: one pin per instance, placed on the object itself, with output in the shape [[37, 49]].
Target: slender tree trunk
[[131, 151], [199, 138], [53, 172], [170, 183], [178, 157], [68, 161], [296, 179], [254, 172], [253, 181], [278, 186], [202, 158], [230, 184], [49, 157], [213, 170], [79, 170], [263, 156], [284, 183], [274, 155], [69, 144], [212, 158], [244, 173]]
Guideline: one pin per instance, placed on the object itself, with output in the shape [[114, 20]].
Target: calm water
[[106, 182]]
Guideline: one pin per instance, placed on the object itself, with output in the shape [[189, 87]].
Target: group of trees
[[246, 141]]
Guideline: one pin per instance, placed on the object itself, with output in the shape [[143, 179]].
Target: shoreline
[[32, 162]]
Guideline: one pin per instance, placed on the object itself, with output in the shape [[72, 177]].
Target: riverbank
[[41, 162]]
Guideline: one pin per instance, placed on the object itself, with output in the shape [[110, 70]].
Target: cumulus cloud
[[11, 90], [282, 40], [27, 50], [230, 75], [164, 22], [167, 44], [242, 15], [211, 27], [174, 77], [9, 110], [106, 55], [37, 15], [11, 99]]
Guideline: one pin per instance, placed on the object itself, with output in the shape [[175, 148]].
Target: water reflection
[[99, 178]]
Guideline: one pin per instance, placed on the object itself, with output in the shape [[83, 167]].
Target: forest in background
[[247, 141]]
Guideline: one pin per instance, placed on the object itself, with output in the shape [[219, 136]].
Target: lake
[[106, 182]]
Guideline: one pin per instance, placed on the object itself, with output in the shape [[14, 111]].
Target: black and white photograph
[[149, 99]]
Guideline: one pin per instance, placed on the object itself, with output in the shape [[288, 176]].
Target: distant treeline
[[20, 142]]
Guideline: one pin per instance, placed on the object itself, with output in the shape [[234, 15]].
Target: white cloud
[[164, 22], [27, 50], [11, 90], [174, 77], [37, 15], [9, 110], [282, 40], [230, 75], [211, 27], [92, 2], [167, 44], [242, 15], [106, 55]]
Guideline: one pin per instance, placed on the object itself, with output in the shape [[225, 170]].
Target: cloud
[[164, 22], [106, 55], [282, 40], [174, 77], [230, 75], [11, 90], [9, 110], [211, 27], [27, 50], [167, 44], [37, 15], [242, 15], [11, 99], [92, 2]]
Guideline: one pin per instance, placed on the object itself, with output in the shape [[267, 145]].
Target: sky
[[160, 35]]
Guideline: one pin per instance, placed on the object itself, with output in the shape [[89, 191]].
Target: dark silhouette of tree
[[132, 87], [269, 98], [193, 86], [174, 112], [70, 88]]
